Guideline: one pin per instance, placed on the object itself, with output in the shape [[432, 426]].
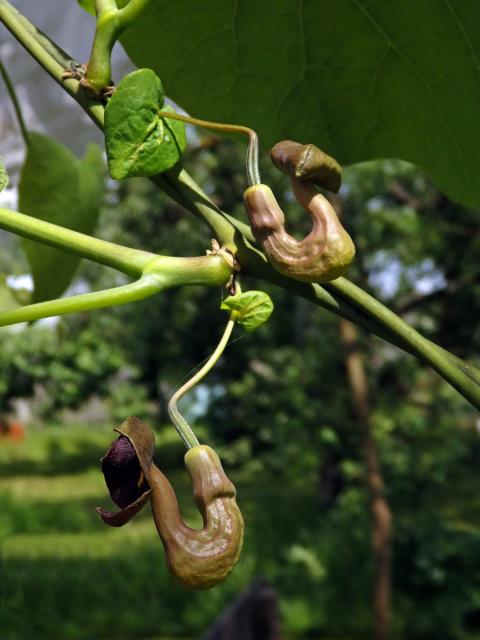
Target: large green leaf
[[3, 176], [138, 141], [360, 78], [57, 187]]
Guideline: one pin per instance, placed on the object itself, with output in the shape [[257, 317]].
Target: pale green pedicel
[[249, 309]]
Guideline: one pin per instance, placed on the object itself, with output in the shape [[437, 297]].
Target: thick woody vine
[[144, 137]]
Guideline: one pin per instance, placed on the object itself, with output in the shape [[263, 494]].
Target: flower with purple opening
[[198, 559]]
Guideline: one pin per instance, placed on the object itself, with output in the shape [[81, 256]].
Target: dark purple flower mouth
[[125, 472]]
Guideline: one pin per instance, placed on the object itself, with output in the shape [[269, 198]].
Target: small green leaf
[[57, 187], [88, 5], [253, 307], [3, 176], [138, 141]]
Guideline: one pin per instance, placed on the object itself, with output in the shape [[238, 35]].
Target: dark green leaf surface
[[253, 307], [57, 187], [138, 141], [359, 78], [3, 176]]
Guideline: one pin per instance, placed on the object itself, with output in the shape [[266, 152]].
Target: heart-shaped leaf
[[138, 141], [57, 187], [253, 307], [3, 176]]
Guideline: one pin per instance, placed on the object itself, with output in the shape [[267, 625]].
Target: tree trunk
[[381, 514]]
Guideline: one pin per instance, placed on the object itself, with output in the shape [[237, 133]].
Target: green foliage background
[[363, 80], [279, 412]]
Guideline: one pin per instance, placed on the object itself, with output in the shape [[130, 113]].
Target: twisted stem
[[253, 172], [181, 425]]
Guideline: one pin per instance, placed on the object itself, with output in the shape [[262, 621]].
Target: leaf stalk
[[181, 425]]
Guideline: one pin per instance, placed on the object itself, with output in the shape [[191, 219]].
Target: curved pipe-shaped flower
[[198, 559], [323, 255], [326, 252]]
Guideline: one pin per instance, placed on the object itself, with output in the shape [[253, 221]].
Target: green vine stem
[[253, 172], [111, 21], [50, 57], [142, 288], [160, 274], [16, 104], [423, 348], [129, 261], [131, 11], [155, 272], [163, 274], [345, 300], [181, 425]]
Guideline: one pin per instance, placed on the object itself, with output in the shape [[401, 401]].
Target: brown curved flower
[[198, 559]]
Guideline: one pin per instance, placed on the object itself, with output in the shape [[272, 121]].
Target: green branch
[[340, 296], [129, 261], [110, 24], [143, 288], [131, 11], [50, 57], [159, 274], [424, 349], [155, 272], [147, 286]]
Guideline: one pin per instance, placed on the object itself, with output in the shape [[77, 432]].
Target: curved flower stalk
[[198, 559]]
